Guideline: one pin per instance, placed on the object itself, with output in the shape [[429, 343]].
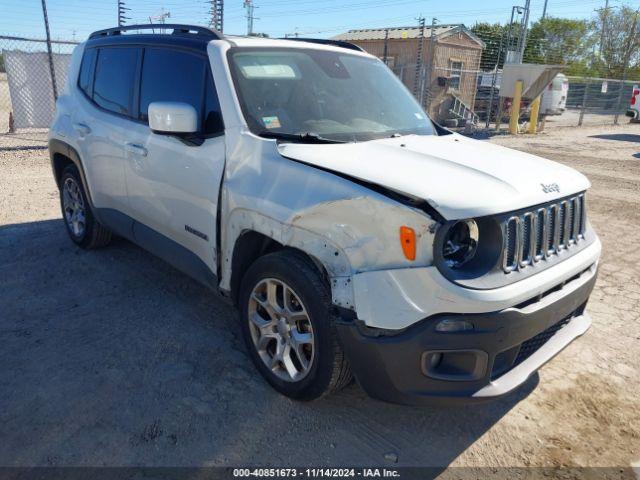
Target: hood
[[458, 176]]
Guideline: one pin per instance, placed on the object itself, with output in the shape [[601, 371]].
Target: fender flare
[[58, 147]]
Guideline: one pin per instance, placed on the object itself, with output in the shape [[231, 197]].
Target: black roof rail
[[325, 41], [178, 29]]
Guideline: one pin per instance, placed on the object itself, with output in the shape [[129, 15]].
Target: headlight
[[460, 243]]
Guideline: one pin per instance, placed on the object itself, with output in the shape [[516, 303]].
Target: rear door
[[173, 186], [102, 121]]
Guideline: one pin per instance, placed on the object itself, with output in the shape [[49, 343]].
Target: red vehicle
[[634, 105]]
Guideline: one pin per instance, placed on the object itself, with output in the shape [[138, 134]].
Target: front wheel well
[[252, 245], [60, 162]]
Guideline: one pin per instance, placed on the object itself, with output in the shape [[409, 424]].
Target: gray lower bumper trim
[[553, 346]]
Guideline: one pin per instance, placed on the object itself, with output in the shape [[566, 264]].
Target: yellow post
[[533, 120], [515, 108]]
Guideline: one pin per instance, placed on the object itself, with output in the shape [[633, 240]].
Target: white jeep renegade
[[304, 182]]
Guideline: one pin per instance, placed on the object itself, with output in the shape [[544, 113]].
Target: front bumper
[[509, 346]]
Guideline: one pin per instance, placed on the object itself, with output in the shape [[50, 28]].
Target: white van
[[554, 98]]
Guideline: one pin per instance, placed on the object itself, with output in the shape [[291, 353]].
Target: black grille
[[505, 361], [529, 347], [561, 223], [551, 232]]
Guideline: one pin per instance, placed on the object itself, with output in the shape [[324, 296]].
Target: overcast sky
[[323, 18]]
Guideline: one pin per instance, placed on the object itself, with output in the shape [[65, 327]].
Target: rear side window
[[86, 70], [115, 79], [176, 76]]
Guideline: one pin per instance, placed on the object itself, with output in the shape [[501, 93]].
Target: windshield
[[334, 95]]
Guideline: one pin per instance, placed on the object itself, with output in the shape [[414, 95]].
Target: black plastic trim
[[326, 41], [389, 368], [178, 29], [58, 147], [159, 245]]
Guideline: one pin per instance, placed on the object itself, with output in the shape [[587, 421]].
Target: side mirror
[[172, 118]]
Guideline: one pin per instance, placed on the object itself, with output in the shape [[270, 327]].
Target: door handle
[[135, 149], [82, 129]]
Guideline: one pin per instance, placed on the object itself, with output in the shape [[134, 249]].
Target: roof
[[196, 37], [404, 33]]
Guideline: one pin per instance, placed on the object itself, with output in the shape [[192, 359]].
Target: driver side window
[[179, 76]]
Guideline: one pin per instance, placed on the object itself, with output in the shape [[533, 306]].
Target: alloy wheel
[[73, 207], [281, 330]]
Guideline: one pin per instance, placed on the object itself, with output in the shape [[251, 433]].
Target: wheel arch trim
[[60, 148]]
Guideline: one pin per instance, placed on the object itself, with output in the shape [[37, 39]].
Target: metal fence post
[[50, 52], [584, 102], [619, 101]]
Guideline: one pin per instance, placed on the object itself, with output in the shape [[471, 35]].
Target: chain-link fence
[[28, 75], [456, 71]]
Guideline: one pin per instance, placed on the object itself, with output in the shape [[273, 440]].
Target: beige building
[[446, 85]]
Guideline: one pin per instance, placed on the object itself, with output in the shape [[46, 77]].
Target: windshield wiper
[[302, 137]]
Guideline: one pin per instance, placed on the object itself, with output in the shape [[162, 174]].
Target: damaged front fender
[[341, 224]]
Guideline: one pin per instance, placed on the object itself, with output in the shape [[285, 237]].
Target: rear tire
[[288, 326], [83, 228]]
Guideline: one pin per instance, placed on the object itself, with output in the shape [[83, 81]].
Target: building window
[[455, 72]]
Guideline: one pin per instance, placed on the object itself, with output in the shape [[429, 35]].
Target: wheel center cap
[[283, 327]]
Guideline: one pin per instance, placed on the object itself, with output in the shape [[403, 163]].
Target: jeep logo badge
[[550, 187]]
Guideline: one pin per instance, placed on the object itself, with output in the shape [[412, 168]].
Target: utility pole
[[515, 10], [522, 39], [417, 91], [216, 11], [160, 17], [248, 4], [386, 46], [121, 11], [544, 9], [52, 69], [432, 40]]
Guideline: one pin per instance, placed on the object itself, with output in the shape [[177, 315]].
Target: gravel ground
[[111, 357]]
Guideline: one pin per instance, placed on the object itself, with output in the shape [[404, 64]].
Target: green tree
[[494, 35], [491, 34], [619, 31], [560, 41]]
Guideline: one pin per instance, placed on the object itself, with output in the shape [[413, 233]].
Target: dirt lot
[[111, 357]]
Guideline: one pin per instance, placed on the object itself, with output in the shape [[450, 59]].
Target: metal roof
[[402, 33]]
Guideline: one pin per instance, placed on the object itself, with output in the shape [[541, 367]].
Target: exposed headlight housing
[[464, 250], [460, 243]]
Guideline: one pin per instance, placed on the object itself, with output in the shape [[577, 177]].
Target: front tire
[[288, 326], [83, 228]]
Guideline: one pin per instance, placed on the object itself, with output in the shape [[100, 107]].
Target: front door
[[173, 186]]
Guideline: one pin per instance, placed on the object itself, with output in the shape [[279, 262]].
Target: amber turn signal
[[408, 242]]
